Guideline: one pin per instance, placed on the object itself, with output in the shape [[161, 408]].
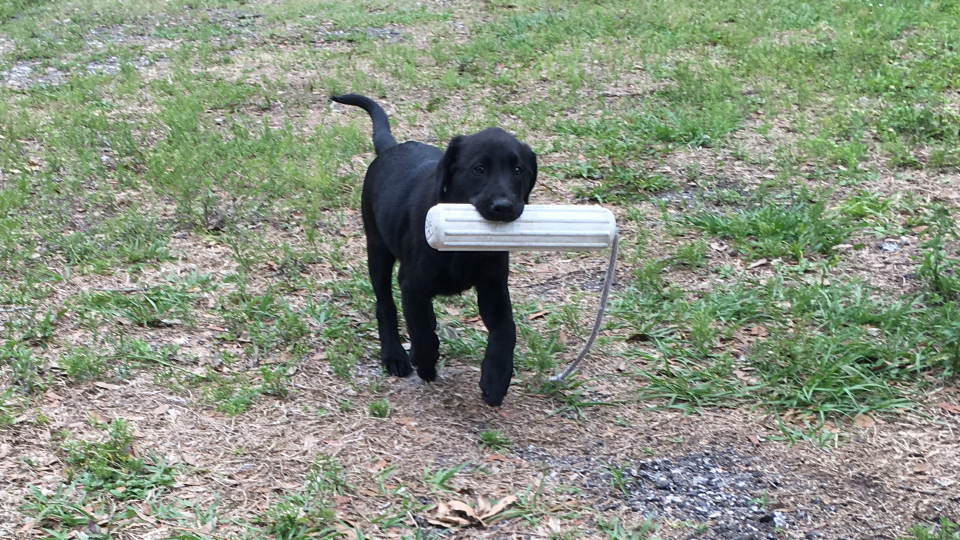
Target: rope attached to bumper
[[607, 282]]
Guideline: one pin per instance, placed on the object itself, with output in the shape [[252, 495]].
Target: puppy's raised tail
[[382, 138]]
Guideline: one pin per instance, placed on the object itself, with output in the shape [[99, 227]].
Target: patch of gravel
[[389, 34], [26, 74], [23, 75], [724, 489], [731, 494]]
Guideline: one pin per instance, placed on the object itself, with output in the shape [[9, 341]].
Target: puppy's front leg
[[422, 325], [493, 298]]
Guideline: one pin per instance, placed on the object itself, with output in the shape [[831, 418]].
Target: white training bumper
[[541, 227]]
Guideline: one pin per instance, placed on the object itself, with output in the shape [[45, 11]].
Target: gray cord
[[603, 306]]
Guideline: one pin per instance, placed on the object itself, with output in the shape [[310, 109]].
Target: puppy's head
[[490, 170]]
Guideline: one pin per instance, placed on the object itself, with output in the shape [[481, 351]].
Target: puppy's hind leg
[[422, 325], [380, 262]]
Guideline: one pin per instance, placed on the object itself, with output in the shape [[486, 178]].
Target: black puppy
[[490, 170]]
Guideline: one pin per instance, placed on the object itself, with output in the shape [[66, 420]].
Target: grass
[[830, 349], [111, 466], [439, 480], [797, 228], [202, 190], [494, 440], [615, 530], [379, 408], [103, 482], [308, 513], [945, 530]]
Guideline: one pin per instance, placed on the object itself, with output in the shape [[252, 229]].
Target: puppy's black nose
[[502, 209]]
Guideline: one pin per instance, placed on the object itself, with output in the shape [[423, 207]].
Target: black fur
[[490, 170]]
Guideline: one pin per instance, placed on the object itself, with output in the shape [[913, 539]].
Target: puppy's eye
[[517, 170], [479, 169]]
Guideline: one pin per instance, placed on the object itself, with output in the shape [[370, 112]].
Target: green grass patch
[[796, 228], [112, 466], [163, 305], [494, 440], [945, 530], [828, 349]]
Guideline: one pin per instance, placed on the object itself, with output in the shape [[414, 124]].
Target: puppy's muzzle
[[504, 210]]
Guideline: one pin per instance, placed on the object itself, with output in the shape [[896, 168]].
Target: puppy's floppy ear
[[446, 165], [529, 160]]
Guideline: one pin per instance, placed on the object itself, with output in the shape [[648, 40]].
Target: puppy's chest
[[461, 272]]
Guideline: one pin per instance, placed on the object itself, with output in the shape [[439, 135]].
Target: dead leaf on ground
[[160, 409], [500, 506], [347, 529], [463, 508], [460, 514], [863, 421], [755, 264], [758, 331], [950, 407], [106, 386], [406, 422], [754, 439], [922, 468], [443, 516], [483, 505], [537, 315], [501, 458], [378, 466], [309, 441]]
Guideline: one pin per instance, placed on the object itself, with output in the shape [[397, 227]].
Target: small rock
[[889, 246], [779, 519]]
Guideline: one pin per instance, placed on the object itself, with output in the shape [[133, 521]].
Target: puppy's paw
[[427, 373], [397, 365], [493, 400], [494, 392]]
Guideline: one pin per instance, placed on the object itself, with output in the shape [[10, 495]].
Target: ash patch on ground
[[717, 494], [726, 492], [24, 74]]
